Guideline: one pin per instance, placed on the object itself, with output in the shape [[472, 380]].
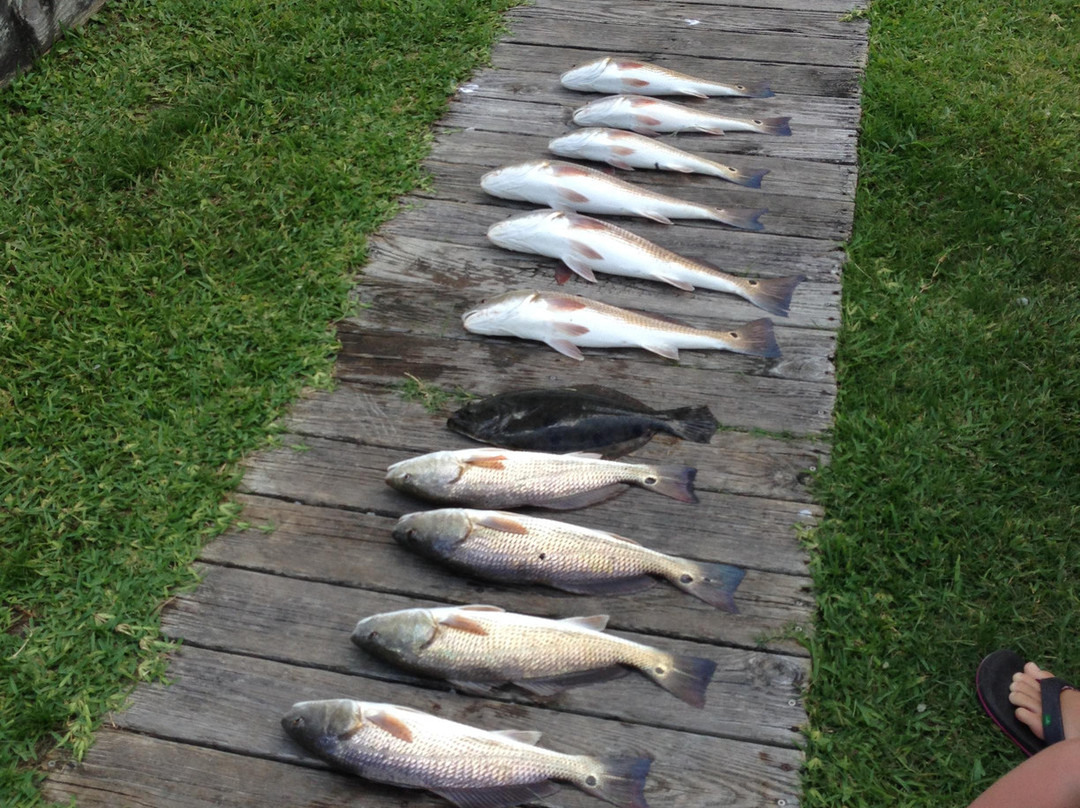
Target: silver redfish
[[566, 186], [503, 478], [567, 322], [587, 245], [516, 549], [470, 767], [628, 150], [610, 75], [478, 648], [650, 116]]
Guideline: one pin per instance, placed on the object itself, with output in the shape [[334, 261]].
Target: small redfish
[[611, 75], [650, 116]]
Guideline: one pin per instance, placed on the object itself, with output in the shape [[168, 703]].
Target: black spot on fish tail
[[685, 677], [618, 780], [673, 481], [773, 294], [755, 338], [696, 424], [713, 583]]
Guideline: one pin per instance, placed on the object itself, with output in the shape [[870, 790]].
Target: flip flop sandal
[[992, 680]]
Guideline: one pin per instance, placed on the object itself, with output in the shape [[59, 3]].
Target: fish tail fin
[[696, 424], [756, 338], [619, 780], [773, 294], [673, 481], [743, 218], [685, 677], [748, 177], [760, 90], [713, 583], [775, 126]]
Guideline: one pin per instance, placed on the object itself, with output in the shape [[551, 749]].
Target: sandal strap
[[1053, 725]]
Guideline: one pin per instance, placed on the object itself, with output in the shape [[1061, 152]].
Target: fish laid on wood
[[651, 116], [589, 418], [502, 478], [470, 767], [566, 186], [515, 549], [611, 75], [628, 150], [568, 322], [587, 245], [478, 648]]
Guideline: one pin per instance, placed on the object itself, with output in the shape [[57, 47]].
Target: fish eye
[[298, 721]]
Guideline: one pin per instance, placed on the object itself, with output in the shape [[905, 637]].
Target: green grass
[[953, 496], [187, 191]]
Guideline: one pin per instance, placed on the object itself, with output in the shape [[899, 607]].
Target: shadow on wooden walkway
[[270, 623]]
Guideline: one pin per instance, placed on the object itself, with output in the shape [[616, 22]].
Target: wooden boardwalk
[[270, 623]]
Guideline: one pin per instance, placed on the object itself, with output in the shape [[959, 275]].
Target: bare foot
[[1025, 696]]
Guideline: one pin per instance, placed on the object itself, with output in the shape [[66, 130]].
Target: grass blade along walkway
[[187, 190], [953, 496]]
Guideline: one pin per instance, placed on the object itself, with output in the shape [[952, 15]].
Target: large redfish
[[610, 75], [470, 767]]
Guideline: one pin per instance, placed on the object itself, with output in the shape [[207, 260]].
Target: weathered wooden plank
[[738, 396], [803, 179], [749, 531], [234, 703], [547, 60], [355, 550], [306, 623], [403, 260], [755, 465], [593, 28], [139, 771], [808, 142], [794, 216]]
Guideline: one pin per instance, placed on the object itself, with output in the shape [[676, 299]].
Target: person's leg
[[1025, 696], [1050, 779]]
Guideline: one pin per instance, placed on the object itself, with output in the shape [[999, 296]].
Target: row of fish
[[555, 449], [586, 245]]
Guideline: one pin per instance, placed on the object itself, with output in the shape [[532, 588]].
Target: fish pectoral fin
[[638, 83], [581, 248], [678, 284], [566, 348], [596, 622], [570, 329], [504, 524], [497, 796], [496, 462], [463, 623], [572, 196], [529, 736], [390, 724], [580, 267], [647, 120], [664, 350]]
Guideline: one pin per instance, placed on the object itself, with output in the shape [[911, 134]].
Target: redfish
[[650, 116], [611, 75]]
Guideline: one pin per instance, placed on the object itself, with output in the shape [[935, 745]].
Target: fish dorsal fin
[[610, 394], [481, 607], [504, 523], [564, 303], [463, 623], [487, 461], [617, 537], [570, 170], [391, 724], [531, 737], [589, 223], [596, 622]]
